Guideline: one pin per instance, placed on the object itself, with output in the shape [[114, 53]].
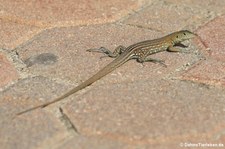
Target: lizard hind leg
[[120, 49], [148, 59]]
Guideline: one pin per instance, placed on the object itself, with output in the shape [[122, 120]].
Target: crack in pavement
[[67, 122]]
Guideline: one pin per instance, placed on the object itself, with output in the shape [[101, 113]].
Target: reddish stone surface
[[7, 71], [211, 6], [27, 93], [135, 106], [21, 20], [92, 142], [76, 64], [212, 35], [167, 17], [68, 13], [13, 34], [152, 112], [31, 130], [212, 70]]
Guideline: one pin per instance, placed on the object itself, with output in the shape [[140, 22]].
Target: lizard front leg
[[173, 49], [120, 49]]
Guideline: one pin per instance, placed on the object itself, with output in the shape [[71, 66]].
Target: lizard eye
[[177, 37], [184, 33]]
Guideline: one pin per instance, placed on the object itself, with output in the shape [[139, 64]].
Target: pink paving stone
[[70, 12], [97, 142], [13, 34], [27, 93], [166, 16], [151, 112], [82, 142], [212, 35], [74, 63], [20, 20], [211, 5], [212, 70], [8, 72], [31, 129], [70, 45]]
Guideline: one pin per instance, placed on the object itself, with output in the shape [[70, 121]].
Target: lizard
[[139, 51]]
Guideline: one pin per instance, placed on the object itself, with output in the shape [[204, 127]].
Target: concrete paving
[[138, 106]]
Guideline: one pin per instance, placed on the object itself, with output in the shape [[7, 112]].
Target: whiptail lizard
[[139, 51]]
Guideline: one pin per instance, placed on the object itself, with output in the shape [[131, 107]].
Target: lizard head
[[182, 35]]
